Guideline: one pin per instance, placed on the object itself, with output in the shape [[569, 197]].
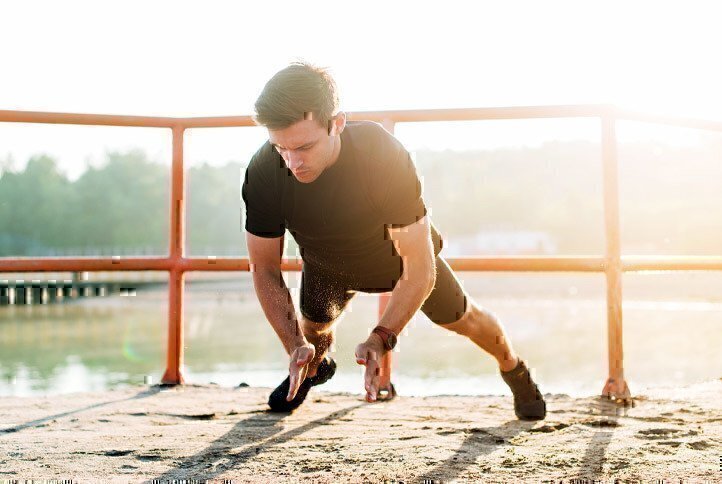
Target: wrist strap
[[384, 333]]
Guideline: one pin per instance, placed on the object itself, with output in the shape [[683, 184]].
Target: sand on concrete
[[209, 432]]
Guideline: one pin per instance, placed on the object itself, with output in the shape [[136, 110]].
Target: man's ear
[[336, 124]]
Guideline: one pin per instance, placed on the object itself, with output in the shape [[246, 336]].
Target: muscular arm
[[414, 244], [271, 290]]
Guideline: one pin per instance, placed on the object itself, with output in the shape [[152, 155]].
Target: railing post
[[616, 386], [176, 277]]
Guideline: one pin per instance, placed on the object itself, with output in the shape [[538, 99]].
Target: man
[[350, 196]]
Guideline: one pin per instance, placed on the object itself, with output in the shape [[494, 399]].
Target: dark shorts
[[324, 294]]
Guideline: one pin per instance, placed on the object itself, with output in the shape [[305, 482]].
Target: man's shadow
[[38, 422], [265, 433], [480, 441], [590, 467]]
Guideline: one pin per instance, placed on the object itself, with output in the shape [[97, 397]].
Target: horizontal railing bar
[[85, 264], [671, 263], [421, 115], [528, 264], [87, 119], [480, 114], [217, 122], [410, 115], [482, 264], [540, 263], [397, 116]]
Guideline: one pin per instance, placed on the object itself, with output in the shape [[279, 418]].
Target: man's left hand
[[370, 354]]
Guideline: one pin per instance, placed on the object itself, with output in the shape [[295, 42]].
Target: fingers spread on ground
[[371, 372]]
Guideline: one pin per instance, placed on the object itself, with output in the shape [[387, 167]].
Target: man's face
[[306, 147]]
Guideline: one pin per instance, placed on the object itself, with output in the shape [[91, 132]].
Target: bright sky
[[179, 58]]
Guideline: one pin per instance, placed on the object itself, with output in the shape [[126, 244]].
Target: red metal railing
[[612, 263]]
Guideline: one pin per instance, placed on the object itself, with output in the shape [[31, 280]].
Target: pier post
[[176, 278], [615, 387]]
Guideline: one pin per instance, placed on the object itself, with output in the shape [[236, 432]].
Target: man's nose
[[293, 161]]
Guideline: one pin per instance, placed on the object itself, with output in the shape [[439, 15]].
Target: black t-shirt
[[338, 220]]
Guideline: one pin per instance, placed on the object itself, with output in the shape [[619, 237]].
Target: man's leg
[[321, 335], [449, 307], [485, 330], [323, 298]]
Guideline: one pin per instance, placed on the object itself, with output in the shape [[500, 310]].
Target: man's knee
[[316, 328], [462, 322], [472, 319]]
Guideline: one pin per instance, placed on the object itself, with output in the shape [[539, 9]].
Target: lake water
[[557, 323]]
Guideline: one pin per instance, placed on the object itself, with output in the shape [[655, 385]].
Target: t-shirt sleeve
[[403, 203], [263, 216]]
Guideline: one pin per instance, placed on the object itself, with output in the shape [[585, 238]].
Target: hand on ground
[[369, 354], [298, 367]]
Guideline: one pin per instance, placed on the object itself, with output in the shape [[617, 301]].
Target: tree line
[[124, 203], [668, 200]]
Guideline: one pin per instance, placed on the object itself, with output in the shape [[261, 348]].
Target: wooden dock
[[24, 292]]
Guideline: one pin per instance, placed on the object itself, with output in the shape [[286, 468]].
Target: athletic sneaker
[[529, 403], [277, 401]]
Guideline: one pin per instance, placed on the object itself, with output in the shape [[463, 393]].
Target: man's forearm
[[278, 307], [408, 296]]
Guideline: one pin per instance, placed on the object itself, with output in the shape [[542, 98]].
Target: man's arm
[[271, 290], [265, 257], [414, 245]]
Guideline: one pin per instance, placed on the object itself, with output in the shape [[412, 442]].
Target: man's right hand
[[298, 368]]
